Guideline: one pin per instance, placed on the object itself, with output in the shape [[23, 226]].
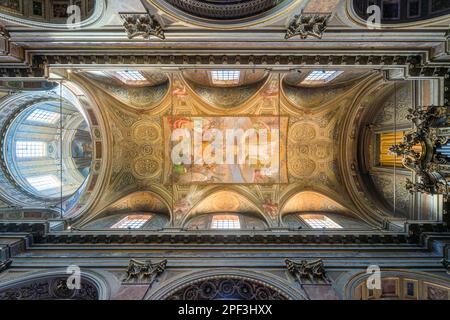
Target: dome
[[224, 9], [48, 148]]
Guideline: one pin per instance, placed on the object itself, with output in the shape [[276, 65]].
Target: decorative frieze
[[241, 238]]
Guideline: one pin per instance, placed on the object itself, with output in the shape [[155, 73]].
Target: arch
[[98, 12], [348, 143], [13, 105], [384, 128], [139, 202], [96, 118], [400, 284], [148, 95], [52, 285], [239, 200], [202, 94], [225, 221], [426, 17], [314, 202], [33, 146], [311, 201], [185, 282], [281, 9]]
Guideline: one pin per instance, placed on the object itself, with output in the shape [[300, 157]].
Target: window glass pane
[[225, 222], [43, 116], [439, 5], [127, 76], [225, 76], [413, 8], [131, 222], [391, 9], [44, 182], [320, 76], [317, 221], [30, 149]]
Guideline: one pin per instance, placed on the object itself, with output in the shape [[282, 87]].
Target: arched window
[[319, 221]]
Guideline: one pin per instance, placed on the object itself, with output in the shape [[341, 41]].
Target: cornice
[[419, 235], [39, 63]]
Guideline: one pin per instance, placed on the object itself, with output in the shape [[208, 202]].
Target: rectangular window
[[225, 76], [60, 10], [38, 8], [43, 116], [319, 76], [130, 76], [391, 9], [439, 5], [225, 222], [131, 222], [317, 221], [42, 183], [413, 8], [31, 149]]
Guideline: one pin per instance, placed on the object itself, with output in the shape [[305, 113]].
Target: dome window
[[31, 149], [42, 183], [43, 116]]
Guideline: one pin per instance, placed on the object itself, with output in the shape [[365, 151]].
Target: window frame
[[24, 153], [223, 222], [304, 218], [39, 115], [32, 181], [136, 221], [233, 77]]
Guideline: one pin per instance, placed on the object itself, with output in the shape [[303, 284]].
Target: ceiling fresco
[[304, 128]]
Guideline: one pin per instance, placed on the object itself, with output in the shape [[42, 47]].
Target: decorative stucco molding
[[144, 271], [430, 168], [305, 25], [142, 25]]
